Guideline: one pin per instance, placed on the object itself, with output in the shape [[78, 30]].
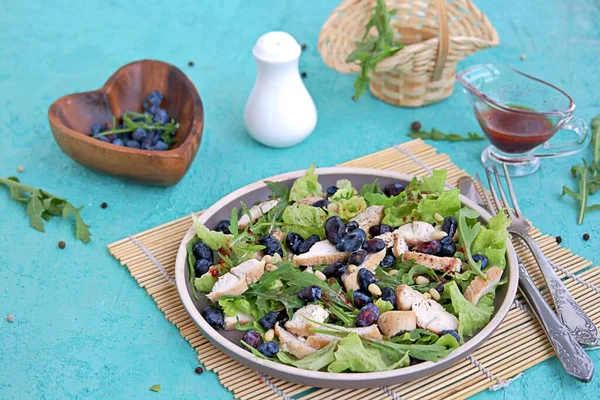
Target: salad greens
[[435, 134], [315, 295]]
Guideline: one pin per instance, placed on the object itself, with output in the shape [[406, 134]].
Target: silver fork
[[570, 313]]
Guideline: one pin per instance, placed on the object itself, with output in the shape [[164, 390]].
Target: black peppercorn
[[415, 126], [558, 240], [586, 236], [62, 245]]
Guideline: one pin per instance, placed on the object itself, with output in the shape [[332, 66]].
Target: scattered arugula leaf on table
[[42, 206], [588, 180], [373, 49], [436, 134]]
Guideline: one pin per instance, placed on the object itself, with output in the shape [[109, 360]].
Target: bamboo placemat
[[150, 258]]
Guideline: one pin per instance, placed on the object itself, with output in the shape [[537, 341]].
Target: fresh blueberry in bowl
[[214, 317], [223, 226], [269, 349], [252, 339]]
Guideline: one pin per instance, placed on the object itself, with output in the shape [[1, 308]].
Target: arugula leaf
[[467, 233], [278, 189], [439, 135], [133, 120], [370, 188], [35, 209], [305, 185], [81, 228], [250, 326], [380, 199], [305, 220], [417, 336]]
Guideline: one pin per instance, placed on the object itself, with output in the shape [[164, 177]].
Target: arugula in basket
[[42, 205]]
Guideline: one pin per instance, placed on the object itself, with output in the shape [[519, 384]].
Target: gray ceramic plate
[[228, 341]]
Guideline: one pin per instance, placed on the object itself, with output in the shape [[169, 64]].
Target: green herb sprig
[[373, 49], [42, 206], [133, 120], [588, 180], [439, 135]]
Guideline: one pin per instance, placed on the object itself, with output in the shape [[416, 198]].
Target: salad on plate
[[351, 279]]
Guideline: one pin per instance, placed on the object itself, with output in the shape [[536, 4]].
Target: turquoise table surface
[[83, 328]]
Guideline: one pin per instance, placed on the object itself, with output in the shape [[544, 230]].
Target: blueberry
[[367, 315], [269, 320], [150, 109], [380, 229], [134, 144], [451, 332], [118, 142], [102, 139], [252, 338], [361, 299], [449, 226], [335, 229], [321, 203], [146, 145], [387, 294], [272, 245], [214, 317], [482, 258], [387, 261], [351, 226], [432, 247], [202, 251], [335, 270], [161, 117], [365, 278], [111, 138], [294, 241], [308, 243], [440, 286], [160, 146], [393, 189], [139, 134], [201, 267], [154, 98], [351, 241], [310, 293], [268, 349], [414, 361], [96, 129], [153, 137], [223, 226], [373, 245], [448, 247], [331, 190], [357, 257]]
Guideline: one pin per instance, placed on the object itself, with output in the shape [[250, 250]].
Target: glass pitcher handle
[[574, 124]]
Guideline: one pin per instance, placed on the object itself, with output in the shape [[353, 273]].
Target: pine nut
[[275, 258], [427, 296], [373, 288], [309, 270], [438, 235], [455, 237], [269, 335], [320, 275], [422, 281], [393, 272], [438, 217], [352, 268], [267, 259], [434, 294], [270, 267]]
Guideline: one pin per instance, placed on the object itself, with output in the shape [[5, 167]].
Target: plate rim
[[342, 379]]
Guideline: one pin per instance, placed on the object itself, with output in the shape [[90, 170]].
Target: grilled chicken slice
[[370, 217], [320, 340], [400, 246], [444, 264], [388, 238], [228, 284], [350, 280], [406, 297], [311, 199], [392, 323], [416, 232], [372, 260], [250, 270], [256, 212], [321, 252], [480, 287], [231, 321], [433, 317], [292, 344], [301, 326]]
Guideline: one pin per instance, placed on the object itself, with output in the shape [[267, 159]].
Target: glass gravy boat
[[519, 114]]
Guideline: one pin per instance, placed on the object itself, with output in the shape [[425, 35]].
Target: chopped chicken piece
[[480, 287], [372, 260], [406, 297], [227, 284], [444, 264], [301, 326], [320, 340], [257, 211], [231, 321], [400, 246], [292, 344], [350, 280], [321, 252], [416, 232], [311, 199], [251, 270], [432, 316], [392, 323], [279, 235], [388, 238], [370, 217]]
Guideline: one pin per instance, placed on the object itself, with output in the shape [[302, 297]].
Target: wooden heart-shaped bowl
[[72, 116]]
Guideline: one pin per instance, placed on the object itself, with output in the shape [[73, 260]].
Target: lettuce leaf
[[417, 336], [352, 355], [231, 305], [446, 204], [380, 199], [399, 215], [214, 240], [448, 341], [314, 361], [468, 229], [304, 220], [434, 183], [384, 306], [425, 352], [470, 317], [370, 188], [205, 283], [491, 241], [306, 185], [349, 208]]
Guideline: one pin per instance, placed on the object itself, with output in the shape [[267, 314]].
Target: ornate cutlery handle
[[571, 355], [569, 312]]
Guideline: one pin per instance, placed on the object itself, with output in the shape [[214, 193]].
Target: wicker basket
[[437, 35]]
